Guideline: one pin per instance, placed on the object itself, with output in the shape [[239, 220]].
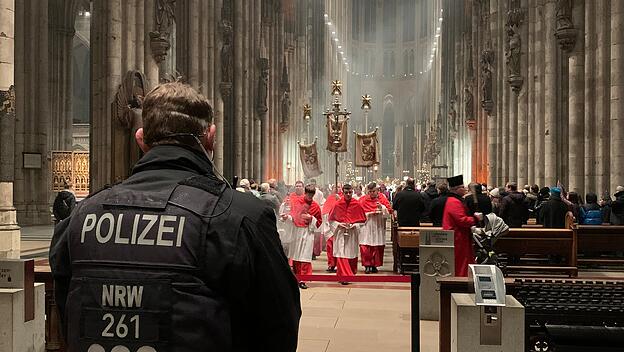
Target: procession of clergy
[[351, 223], [348, 223]]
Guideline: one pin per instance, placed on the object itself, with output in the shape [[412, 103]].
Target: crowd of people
[[349, 221]]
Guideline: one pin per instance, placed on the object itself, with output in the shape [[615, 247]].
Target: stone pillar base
[[9, 231], [16, 334]]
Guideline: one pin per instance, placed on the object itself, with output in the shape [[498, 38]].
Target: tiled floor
[[357, 318]]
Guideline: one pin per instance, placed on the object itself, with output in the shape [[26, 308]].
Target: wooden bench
[[534, 247], [599, 244]]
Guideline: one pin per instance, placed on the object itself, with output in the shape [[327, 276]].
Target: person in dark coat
[[429, 193], [436, 213], [553, 212], [542, 198], [200, 264], [477, 201], [514, 207], [64, 203], [616, 216], [409, 205]]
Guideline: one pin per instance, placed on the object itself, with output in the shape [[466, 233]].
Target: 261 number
[[121, 329]]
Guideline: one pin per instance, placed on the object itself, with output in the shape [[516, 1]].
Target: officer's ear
[[139, 139], [209, 137]]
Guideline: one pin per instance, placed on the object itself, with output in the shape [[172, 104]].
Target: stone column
[[493, 118], [590, 118], [550, 95], [106, 68], [576, 121], [149, 63], [257, 131], [32, 191], [62, 17], [523, 98], [219, 88], [9, 231], [617, 95], [530, 86], [540, 39], [603, 99], [238, 87]]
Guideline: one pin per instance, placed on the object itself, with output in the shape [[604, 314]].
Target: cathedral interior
[[524, 91]]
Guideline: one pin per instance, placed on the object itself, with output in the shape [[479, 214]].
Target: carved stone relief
[[7, 102]]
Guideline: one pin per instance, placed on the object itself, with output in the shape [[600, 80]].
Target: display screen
[[488, 294], [485, 279]]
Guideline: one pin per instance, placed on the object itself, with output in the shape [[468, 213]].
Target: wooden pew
[[53, 338], [540, 243], [593, 240], [407, 241]]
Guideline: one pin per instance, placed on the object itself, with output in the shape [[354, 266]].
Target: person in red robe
[[373, 233], [328, 206], [346, 219], [456, 218], [306, 218]]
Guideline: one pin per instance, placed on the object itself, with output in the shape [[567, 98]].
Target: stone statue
[[159, 39], [565, 32], [486, 63], [128, 103], [285, 106], [226, 53], [165, 17], [513, 53], [468, 104], [263, 88], [452, 116], [564, 14]]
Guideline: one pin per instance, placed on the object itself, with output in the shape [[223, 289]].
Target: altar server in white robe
[[373, 233], [345, 219], [306, 218]]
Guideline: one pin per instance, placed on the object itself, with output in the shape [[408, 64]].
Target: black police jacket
[[172, 260]]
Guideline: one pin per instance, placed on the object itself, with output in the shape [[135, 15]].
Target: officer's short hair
[[173, 108]]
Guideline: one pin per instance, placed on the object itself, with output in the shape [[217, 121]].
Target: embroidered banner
[[309, 160], [336, 134], [366, 152]]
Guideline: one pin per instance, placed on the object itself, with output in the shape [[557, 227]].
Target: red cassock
[[328, 206], [369, 204], [299, 206], [456, 218], [349, 213]]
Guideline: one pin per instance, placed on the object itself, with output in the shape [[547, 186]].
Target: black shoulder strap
[[201, 203]]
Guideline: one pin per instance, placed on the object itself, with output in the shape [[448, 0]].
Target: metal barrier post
[[415, 312]]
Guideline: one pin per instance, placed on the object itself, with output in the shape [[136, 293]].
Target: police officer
[[173, 259]]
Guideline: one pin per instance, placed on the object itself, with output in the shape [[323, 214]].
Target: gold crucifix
[[366, 101], [336, 87]]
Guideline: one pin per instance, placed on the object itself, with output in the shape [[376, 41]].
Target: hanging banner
[[336, 134], [309, 160], [366, 153]]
